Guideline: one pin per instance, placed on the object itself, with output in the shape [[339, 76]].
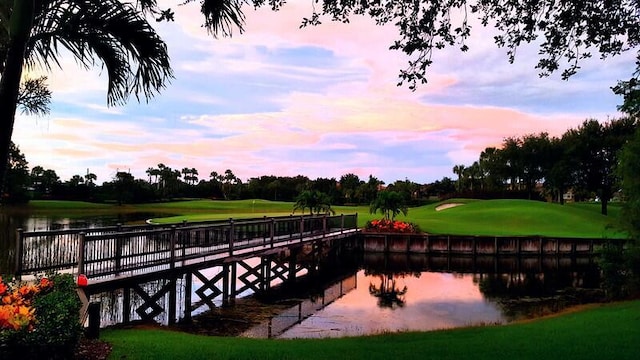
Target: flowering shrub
[[391, 226], [16, 309], [39, 320]]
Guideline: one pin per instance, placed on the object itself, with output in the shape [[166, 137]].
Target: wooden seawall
[[477, 245]]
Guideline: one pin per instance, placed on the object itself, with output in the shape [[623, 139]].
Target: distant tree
[[90, 178], [559, 176], [629, 171], [493, 168], [349, 184], [459, 170], [76, 180], [595, 152], [441, 188], [17, 178], [317, 202], [512, 161], [535, 160], [390, 204]]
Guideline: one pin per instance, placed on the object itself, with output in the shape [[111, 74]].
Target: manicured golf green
[[602, 332]]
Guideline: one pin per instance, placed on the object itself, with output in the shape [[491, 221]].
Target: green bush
[[57, 330]]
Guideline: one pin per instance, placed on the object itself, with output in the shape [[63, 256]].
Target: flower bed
[[391, 226]]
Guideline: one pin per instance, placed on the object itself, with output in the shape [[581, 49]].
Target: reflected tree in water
[[389, 294]]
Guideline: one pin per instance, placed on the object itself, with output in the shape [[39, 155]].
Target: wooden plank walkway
[[110, 253]]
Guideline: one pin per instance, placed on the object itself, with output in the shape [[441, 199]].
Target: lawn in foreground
[[601, 332]]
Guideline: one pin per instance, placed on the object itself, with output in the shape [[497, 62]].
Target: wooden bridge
[[105, 253], [127, 257]]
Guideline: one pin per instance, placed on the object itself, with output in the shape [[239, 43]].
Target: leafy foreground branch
[[601, 332]]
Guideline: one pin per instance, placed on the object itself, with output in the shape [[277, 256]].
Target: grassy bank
[[602, 332]]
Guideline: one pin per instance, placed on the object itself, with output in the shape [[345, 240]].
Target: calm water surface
[[381, 303]]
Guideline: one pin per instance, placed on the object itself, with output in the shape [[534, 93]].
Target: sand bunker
[[447, 206]]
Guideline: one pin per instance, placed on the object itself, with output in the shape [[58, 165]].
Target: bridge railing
[[113, 250]]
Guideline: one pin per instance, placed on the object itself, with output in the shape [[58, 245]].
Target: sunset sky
[[320, 102]]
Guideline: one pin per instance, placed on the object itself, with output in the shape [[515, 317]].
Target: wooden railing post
[[231, 235], [81, 253], [341, 223], [272, 230], [324, 225], [18, 255], [172, 244], [118, 261], [301, 227]]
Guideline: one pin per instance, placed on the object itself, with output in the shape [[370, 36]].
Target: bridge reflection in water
[[346, 293]]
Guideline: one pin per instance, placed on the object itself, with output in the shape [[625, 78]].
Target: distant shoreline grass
[[606, 331], [475, 217]]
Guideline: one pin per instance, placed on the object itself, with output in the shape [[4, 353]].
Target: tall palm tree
[[114, 33], [459, 170]]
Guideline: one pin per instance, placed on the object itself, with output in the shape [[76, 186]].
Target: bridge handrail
[[40, 251]]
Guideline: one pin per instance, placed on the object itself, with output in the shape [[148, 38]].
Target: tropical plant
[[114, 32], [390, 204], [316, 201]]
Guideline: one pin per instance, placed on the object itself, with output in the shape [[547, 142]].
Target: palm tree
[[459, 170], [114, 32], [389, 203], [315, 201]]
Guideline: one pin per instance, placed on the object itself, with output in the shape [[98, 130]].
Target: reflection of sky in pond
[[432, 301]]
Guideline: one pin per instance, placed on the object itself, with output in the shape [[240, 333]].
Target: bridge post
[[118, 260], [292, 265], [17, 271], [301, 227], [265, 266], [81, 253], [324, 225], [231, 235], [173, 295], [188, 283], [225, 284], [341, 223], [126, 305], [172, 244], [232, 282], [272, 230]]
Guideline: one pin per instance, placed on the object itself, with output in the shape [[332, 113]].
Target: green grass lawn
[[516, 217], [603, 332], [475, 217]]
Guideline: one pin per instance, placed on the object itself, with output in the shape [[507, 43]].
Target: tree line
[[535, 166], [164, 183], [538, 166]]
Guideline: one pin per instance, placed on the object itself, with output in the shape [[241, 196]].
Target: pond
[[373, 301], [408, 293]]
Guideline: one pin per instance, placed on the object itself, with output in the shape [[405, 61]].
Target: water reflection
[[388, 292]]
